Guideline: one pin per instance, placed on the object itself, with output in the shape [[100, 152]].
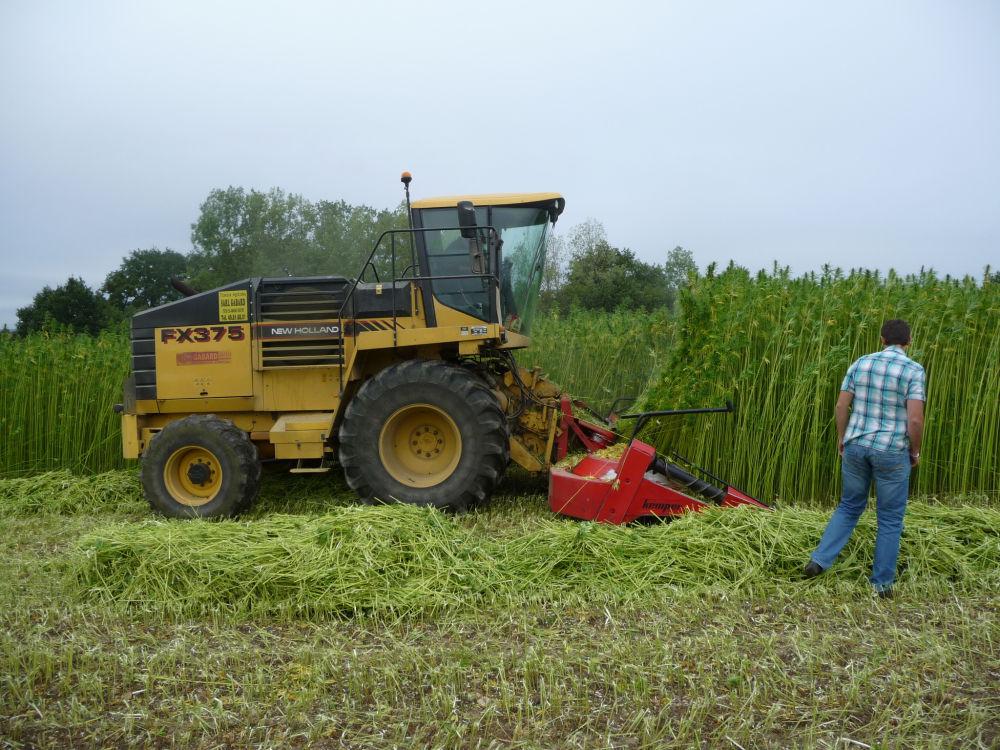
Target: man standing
[[879, 439]]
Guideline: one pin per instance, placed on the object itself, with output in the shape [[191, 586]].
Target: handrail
[[644, 416], [492, 275]]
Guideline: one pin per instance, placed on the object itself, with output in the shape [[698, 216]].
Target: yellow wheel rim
[[420, 445], [193, 475]]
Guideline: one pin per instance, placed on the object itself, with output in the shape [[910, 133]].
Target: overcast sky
[[854, 133]]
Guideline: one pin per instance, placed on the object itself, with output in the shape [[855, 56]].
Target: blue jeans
[[891, 472]]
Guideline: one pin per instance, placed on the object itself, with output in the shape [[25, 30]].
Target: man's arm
[[844, 402], [914, 427]]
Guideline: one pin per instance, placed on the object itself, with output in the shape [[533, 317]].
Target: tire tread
[[361, 420]]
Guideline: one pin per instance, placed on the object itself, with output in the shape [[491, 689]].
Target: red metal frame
[[610, 491], [593, 437]]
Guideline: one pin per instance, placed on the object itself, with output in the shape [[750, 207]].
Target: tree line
[[241, 233]]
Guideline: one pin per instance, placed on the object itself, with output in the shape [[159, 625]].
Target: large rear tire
[[200, 466], [424, 432]]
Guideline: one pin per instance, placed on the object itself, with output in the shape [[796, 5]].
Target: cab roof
[[489, 199]]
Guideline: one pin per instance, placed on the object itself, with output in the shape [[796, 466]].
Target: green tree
[[599, 276], [554, 272], [242, 233], [143, 279], [73, 306], [586, 237], [602, 277], [346, 234], [676, 271]]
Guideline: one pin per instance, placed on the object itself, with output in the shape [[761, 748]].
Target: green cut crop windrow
[[403, 560]]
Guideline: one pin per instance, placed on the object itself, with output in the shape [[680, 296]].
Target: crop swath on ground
[[401, 560], [62, 492], [336, 625]]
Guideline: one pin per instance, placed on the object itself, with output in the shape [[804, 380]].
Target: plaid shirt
[[882, 383]]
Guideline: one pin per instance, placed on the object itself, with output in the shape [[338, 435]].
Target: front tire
[[200, 466], [424, 432]]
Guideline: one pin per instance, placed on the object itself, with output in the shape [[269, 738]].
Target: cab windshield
[[523, 230]]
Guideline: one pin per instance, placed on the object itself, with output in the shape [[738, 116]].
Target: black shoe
[[884, 593], [812, 569]]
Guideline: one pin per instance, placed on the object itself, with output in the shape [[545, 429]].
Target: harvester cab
[[404, 374], [463, 243]]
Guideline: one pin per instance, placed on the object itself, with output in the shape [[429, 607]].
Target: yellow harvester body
[[275, 364]]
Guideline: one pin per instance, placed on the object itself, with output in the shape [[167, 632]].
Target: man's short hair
[[896, 332]]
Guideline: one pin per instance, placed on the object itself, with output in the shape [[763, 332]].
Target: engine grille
[[299, 323], [305, 352], [289, 301]]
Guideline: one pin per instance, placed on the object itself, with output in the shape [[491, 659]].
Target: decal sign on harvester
[[268, 331], [202, 334], [233, 306], [320, 329], [204, 358], [210, 361]]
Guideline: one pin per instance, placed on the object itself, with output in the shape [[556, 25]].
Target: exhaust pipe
[[182, 287]]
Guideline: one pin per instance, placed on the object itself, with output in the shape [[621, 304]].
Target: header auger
[[404, 375]]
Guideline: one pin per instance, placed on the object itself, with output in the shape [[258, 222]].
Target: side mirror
[[556, 209], [467, 219]]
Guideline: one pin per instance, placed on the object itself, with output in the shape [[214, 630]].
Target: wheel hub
[[426, 441], [199, 473], [420, 445], [193, 475]]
